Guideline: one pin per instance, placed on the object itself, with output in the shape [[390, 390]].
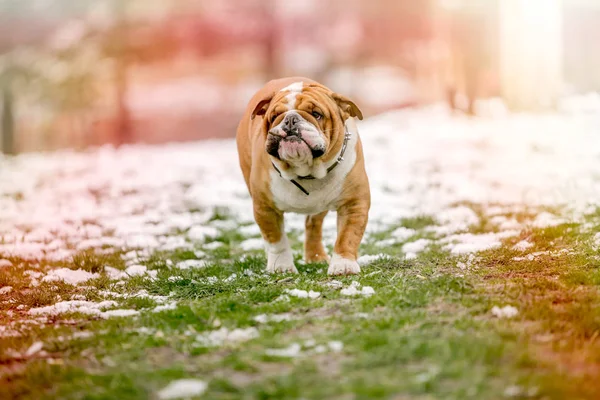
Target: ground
[[138, 273]]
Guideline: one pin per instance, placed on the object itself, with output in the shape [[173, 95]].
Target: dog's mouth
[[292, 146]]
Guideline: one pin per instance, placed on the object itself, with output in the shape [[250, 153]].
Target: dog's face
[[304, 124]]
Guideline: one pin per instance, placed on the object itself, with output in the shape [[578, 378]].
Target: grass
[[426, 333]]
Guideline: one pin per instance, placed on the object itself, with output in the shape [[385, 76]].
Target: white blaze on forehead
[[295, 89]]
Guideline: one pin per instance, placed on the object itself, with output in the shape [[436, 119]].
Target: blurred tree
[[8, 121], [10, 73], [124, 134], [270, 39], [115, 45], [468, 30]]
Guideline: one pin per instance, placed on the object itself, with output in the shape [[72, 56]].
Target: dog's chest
[[323, 193]]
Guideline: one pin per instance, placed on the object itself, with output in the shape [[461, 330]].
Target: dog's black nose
[[317, 152], [289, 124]]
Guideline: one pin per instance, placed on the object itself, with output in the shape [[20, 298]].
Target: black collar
[[340, 158]]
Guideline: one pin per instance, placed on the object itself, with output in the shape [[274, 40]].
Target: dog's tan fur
[[352, 205]]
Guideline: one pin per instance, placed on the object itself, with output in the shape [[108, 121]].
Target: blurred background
[[91, 72]]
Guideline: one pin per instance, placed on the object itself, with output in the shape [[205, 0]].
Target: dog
[[300, 152]]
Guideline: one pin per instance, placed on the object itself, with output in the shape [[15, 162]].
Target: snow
[[182, 389], [504, 312], [457, 218], [213, 245], [252, 244], [368, 259], [34, 349], [264, 318], [470, 243], [411, 249], [136, 270], [5, 289], [114, 273], [303, 294], [420, 163], [596, 239], [355, 290], [187, 264], [200, 233], [118, 313], [84, 307], [522, 245], [74, 277], [225, 336], [169, 306], [293, 350], [336, 346], [545, 220], [249, 230], [335, 284], [402, 234]]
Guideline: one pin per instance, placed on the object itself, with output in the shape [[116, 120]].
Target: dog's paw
[[342, 266], [281, 262]]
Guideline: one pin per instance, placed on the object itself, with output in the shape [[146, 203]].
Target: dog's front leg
[[351, 223], [313, 245], [279, 253]]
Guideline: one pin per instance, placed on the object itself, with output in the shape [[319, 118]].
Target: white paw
[[342, 266], [281, 262]]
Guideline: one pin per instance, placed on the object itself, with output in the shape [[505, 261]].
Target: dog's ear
[[261, 107], [347, 106]]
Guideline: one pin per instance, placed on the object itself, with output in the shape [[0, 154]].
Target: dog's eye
[[317, 115]]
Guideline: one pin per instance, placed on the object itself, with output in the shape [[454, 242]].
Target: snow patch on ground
[[80, 306], [471, 243], [252, 244], [546, 220], [169, 306], [136, 270], [309, 346], [142, 196], [292, 351], [35, 348], [118, 313], [303, 294], [187, 264], [411, 249], [457, 219], [522, 245], [5, 289], [402, 234], [182, 389], [504, 312], [368, 259], [225, 336], [71, 276], [266, 318], [355, 290]]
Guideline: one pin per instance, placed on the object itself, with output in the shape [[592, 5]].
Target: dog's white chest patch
[[323, 193], [295, 89]]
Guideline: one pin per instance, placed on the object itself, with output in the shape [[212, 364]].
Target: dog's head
[[304, 124]]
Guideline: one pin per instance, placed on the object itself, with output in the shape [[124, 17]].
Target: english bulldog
[[300, 152]]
